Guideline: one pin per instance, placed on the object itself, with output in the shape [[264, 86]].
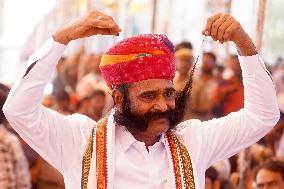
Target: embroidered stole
[[179, 159]]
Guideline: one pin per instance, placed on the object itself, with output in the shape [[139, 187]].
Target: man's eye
[[272, 184], [170, 94], [149, 96], [260, 186]]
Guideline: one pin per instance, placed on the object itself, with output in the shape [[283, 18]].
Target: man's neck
[[206, 76], [148, 138]]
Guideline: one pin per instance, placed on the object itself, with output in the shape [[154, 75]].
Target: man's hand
[[93, 23], [223, 27]]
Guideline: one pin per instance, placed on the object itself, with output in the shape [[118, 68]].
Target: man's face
[[267, 179], [98, 103], [153, 96], [207, 64], [184, 64], [150, 105]]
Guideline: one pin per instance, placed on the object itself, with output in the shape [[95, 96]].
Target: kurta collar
[[126, 139]]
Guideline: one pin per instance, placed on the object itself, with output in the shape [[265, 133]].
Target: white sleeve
[[54, 136], [221, 138]]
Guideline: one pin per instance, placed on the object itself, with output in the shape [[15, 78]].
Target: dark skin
[[221, 27]]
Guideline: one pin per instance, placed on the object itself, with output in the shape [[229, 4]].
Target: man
[[184, 44], [212, 178], [228, 96], [139, 144], [270, 175], [208, 64], [14, 169], [202, 90], [184, 60], [93, 105], [214, 181]]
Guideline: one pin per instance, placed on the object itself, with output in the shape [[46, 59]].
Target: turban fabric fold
[[141, 57]]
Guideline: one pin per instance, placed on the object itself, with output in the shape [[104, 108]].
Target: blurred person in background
[[226, 184], [91, 80], [212, 178], [274, 139], [229, 94], [91, 76], [14, 169], [247, 160], [270, 175], [184, 45], [205, 85], [93, 105], [278, 75], [72, 67], [224, 169], [59, 81], [184, 60], [61, 102], [48, 177]]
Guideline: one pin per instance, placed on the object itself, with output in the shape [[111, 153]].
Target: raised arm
[[220, 138], [52, 135]]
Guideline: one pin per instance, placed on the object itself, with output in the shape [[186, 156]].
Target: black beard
[[140, 122]]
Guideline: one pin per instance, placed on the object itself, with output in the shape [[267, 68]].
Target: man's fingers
[[209, 23], [223, 27], [108, 18], [100, 24], [111, 21], [216, 25], [103, 31], [103, 17], [96, 26], [229, 31]]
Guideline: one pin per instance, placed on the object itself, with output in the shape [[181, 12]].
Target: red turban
[[138, 58]]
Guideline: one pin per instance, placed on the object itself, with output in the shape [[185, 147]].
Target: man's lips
[[161, 120]]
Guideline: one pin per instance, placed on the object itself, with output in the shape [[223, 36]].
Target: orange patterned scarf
[[180, 162]]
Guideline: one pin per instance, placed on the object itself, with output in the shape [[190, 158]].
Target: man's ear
[[117, 98]]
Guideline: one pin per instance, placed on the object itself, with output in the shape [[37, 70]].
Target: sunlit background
[[25, 25]]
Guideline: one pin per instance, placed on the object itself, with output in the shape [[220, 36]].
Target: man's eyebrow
[[148, 92], [170, 89], [266, 182]]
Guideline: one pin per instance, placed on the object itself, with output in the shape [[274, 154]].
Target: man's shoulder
[[82, 123], [81, 118], [186, 125]]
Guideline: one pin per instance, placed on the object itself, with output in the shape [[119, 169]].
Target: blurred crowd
[[217, 90]]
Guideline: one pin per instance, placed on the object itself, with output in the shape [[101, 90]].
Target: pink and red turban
[[138, 58]]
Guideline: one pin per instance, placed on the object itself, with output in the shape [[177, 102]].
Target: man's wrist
[[246, 48], [60, 37]]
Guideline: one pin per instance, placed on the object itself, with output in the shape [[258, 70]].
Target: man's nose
[[161, 105]]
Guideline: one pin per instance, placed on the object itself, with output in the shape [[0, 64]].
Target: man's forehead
[[265, 176]]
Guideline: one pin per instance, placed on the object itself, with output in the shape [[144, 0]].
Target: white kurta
[[62, 140]]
